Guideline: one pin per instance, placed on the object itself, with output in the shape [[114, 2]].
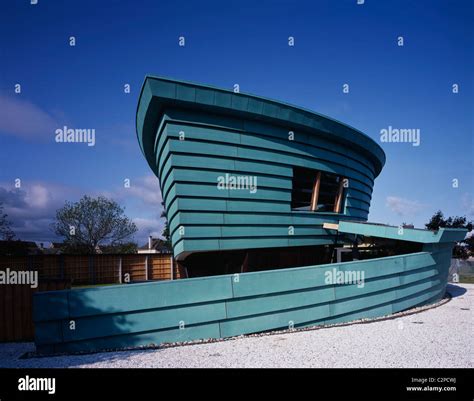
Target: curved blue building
[[267, 206], [284, 171]]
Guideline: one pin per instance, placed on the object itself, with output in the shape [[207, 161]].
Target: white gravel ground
[[435, 338]]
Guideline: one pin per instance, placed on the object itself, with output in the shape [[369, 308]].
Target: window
[[316, 191]]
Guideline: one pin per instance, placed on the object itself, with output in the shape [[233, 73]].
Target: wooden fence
[[16, 308], [96, 269], [58, 272]]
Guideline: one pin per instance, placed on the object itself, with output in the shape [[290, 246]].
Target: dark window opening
[[201, 264], [316, 191]]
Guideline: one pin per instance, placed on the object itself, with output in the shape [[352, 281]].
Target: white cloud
[[22, 118], [146, 227], [38, 196], [146, 189], [31, 209], [403, 207], [467, 202]]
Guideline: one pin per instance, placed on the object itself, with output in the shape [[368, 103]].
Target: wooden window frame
[[315, 194], [339, 196]]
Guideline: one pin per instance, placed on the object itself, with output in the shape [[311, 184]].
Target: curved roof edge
[[409, 234], [157, 92]]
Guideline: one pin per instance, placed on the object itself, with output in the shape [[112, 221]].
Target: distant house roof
[[154, 245], [51, 251]]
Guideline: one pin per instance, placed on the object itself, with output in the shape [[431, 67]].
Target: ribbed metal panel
[[229, 305], [192, 134]]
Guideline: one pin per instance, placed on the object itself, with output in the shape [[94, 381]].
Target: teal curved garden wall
[[229, 305], [193, 134]]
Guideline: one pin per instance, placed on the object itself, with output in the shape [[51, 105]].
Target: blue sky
[[246, 42]]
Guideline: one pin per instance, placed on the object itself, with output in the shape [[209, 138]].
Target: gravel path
[[435, 338]]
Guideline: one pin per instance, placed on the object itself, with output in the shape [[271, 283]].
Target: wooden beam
[[331, 226], [338, 202], [315, 193], [245, 264]]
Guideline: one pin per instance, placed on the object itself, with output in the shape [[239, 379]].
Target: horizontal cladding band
[[207, 177], [156, 92], [186, 246], [110, 325], [443, 235], [354, 186], [170, 164], [221, 329], [273, 167], [192, 233], [242, 204], [277, 158], [229, 220], [213, 192], [260, 214], [245, 318], [256, 183], [174, 117], [276, 189], [216, 288], [208, 150], [258, 141], [199, 218], [243, 225], [266, 200], [343, 161], [407, 284]]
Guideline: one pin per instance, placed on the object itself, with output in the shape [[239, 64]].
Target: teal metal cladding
[[224, 133], [193, 134], [229, 305]]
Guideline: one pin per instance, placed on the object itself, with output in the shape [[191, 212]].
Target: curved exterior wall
[[231, 133], [223, 306], [244, 135]]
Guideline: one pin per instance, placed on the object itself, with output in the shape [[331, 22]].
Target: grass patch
[[466, 279]]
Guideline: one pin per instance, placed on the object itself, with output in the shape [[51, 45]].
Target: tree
[[126, 247], [438, 221], [166, 231], [92, 222], [6, 232]]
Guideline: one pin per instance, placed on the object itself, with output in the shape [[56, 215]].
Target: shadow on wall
[[149, 314], [129, 315], [81, 320]]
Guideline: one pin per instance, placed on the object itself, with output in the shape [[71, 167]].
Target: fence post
[[61, 266], [91, 269], [120, 269], [146, 267], [172, 266]]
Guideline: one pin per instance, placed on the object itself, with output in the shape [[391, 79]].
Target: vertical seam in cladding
[[68, 317], [225, 304]]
